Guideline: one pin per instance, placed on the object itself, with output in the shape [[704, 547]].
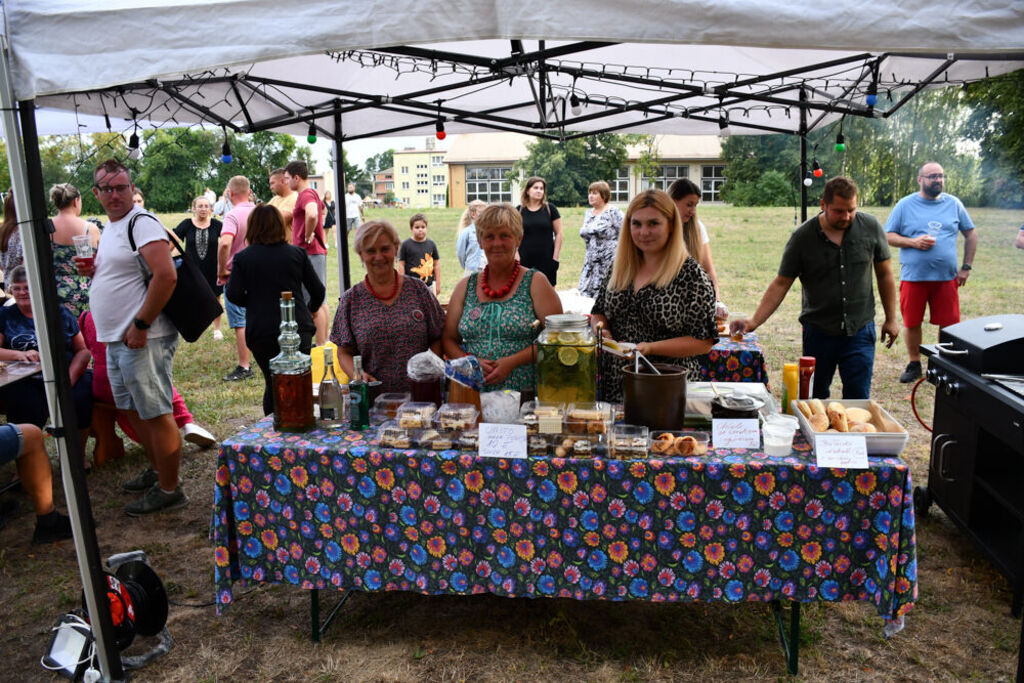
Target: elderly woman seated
[[387, 318], [491, 314], [26, 400]]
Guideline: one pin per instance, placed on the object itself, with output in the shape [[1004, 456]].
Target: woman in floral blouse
[[600, 232]]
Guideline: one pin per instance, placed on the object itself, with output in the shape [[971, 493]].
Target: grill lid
[[994, 343]]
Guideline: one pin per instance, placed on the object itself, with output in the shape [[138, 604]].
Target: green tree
[[380, 162], [174, 161], [255, 156], [996, 123], [354, 174], [569, 166]]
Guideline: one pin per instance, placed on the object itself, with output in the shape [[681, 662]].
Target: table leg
[[790, 643], [318, 629]]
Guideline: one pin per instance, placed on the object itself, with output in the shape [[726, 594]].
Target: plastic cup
[[83, 246], [778, 438]]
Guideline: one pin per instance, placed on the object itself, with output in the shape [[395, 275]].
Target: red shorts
[[942, 298]]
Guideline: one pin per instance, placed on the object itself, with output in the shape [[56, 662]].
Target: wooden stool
[[108, 443]]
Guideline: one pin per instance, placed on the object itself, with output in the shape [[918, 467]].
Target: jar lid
[[738, 402], [566, 321]]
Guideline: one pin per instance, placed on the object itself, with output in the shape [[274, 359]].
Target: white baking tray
[[879, 443]]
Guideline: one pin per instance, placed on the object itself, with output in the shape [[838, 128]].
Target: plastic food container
[[391, 435], [778, 438], [436, 439], [541, 417], [459, 416], [388, 404], [537, 445], [630, 442], [469, 440], [674, 444], [413, 415], [580, 446], [589, 418]]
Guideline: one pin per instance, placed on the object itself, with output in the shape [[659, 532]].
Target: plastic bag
[[500, 407], [465, 371], [425, 366]]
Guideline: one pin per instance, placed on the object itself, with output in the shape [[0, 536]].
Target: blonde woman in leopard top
[[657, 296]]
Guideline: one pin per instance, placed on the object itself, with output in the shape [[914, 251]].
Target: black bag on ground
[[193, 305]]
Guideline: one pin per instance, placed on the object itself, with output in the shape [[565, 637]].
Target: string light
[[439, 127], [574, 105], [133, 146], [311, 134], [840, 143], [816, 169], [225, 150], [808, 180]]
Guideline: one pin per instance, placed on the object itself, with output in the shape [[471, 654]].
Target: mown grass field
[[960, 628]]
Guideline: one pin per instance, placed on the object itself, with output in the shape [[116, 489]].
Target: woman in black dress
[[200, 234], [542, 229], [259, 273]]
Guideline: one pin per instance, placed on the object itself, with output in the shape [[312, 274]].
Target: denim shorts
[[141, 378], [12, 443], [236, 314], [319, 262]]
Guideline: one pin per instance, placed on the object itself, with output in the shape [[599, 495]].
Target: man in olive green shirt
[[834, 255]]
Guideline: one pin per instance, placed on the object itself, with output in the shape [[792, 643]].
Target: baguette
[[817, 407], [881, 421], [862, 427], [858, 415], [819, 423], [804, 408], [837, 416]]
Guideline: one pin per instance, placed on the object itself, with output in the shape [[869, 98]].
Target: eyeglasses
[[111, 189], [934, 176], [18, 289]]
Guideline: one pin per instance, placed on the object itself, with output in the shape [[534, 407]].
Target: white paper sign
[[729, 433], [502, 441], [846, 451]]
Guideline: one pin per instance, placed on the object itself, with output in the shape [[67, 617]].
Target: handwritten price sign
[[502, 440], [846, 451], [736, 433]]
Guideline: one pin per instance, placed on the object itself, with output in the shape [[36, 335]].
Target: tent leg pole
[[803, 156], [341, 232]]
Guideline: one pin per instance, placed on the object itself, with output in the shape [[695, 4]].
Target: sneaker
[[912, 372], [156, 500], [239, 373], [218, 335], [51, 533], [141, 482], [199, 436]]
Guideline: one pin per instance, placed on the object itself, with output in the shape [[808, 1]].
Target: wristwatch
[[966, 266], [140, 324]]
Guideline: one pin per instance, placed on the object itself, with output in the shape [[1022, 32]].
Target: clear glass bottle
[[359, 395], [291, 376], [333, 411], [566, 360]]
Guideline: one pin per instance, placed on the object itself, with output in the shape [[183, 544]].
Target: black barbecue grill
[[976, 467]]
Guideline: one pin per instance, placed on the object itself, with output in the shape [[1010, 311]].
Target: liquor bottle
[[359, 395], [291, 376], [332, 409]]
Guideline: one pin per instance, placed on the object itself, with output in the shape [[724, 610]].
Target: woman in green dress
[[491, 314]]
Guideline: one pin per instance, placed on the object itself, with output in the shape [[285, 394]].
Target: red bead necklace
[[394, 290], [500, 293]]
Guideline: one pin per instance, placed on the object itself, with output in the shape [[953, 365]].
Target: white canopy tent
[[362, 68]]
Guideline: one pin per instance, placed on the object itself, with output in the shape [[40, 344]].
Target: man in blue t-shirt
[[924, 226]]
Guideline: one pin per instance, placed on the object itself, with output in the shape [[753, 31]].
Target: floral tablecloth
[[331, 509], [730, 361]]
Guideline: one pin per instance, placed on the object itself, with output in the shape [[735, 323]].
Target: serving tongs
[[637, 357]]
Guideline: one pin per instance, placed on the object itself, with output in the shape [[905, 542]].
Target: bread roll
[[819, 423], [858, 415], [804, 408], [817, 407], [863, 427], [837, 416]]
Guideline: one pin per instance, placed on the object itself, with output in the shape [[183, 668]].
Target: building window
[[711, 179], [423, 190], [488, 183], [439, 200], [405, 185], [405, 169], [437, 160], [666, 175], [620, 187], [439, 179], [420, 167]]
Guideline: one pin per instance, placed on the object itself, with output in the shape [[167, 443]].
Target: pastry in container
[[391, 435], [416, 415], [460, 416], [676, 444], [388, 404], [589, 418], [542, 418], [629, 442]]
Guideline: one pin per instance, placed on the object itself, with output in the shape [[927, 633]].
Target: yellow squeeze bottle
[[790, 385]]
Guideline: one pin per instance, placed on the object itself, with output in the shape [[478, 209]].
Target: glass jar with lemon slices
[[566, 360]]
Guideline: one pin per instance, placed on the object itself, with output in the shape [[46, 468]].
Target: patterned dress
[[600, 234], [683, 308], [72, 288], [13, 257], [388, 336], [495, 329]]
